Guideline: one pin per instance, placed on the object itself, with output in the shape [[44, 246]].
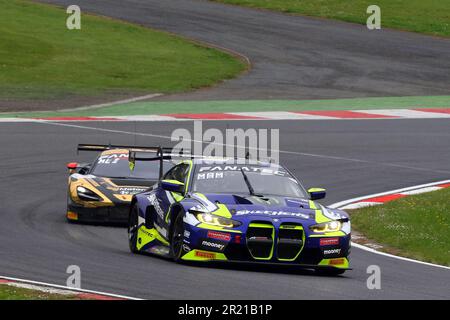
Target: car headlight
[[87, 195], [331, 226], [218, 221]]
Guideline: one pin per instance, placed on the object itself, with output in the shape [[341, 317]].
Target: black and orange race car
[[101, 191]]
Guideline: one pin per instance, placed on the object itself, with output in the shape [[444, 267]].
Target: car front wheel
[[133, 224], [176, 243]]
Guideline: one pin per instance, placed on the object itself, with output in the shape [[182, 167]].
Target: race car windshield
[[117, 166], [262, 181]]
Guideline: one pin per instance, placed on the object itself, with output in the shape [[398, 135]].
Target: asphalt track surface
[[349, 158], [294, 57]]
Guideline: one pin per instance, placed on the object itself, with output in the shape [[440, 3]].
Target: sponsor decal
[[237, 238], [273, 213], [331, 251], [260, 238], [336, 261], [156, 205], [159, 250], [131, 190], [287, 226], [329, 241], [210, 175], [187, 234], [186, 248], [259, 169], [214, 245], [147, 233], [219, 235], [112, 158], [206, 255]]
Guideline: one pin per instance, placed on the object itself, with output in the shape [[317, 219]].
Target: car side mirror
[[72, 166], [317, 193], [172, 185]]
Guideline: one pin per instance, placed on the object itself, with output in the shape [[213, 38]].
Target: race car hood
[[116, 190], [124, 189], [264, 206]]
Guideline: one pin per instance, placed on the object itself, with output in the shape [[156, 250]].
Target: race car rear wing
[[104, 147], [162, 153]]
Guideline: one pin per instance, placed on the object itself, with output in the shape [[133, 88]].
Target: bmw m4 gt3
[[231, 212], [101, 191]]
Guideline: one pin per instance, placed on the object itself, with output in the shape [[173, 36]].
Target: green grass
[[430, 16], [14, 293], [416, 226], [41, 58], [163, 107]]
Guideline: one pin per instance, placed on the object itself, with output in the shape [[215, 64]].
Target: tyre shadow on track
[[262, 268], [118, 225], [245, 266]]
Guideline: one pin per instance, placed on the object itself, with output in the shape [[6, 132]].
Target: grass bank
[[417, 226], [430, 17], [14, 293], [41, 59]]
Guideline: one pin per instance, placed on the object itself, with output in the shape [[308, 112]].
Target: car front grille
[[290, 241], [260, 240]]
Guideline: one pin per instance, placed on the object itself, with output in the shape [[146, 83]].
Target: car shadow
[[263, 268], [121, 225]]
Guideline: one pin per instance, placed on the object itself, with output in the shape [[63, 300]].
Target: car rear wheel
[[68, 209], [133, 224], [176, 242]]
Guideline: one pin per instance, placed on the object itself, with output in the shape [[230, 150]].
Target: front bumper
[[272, 245], [117, 214], [341, 263]]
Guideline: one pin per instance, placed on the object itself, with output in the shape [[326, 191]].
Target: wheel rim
[[132, 228], [177, 239]]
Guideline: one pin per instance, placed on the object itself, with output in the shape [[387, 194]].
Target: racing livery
[[102, 191], [253, 212]]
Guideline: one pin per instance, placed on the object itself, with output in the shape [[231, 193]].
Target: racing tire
[[67, 210], [330, 271], [176, 241], [133, 224]]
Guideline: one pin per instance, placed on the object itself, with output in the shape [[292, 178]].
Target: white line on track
[[403, 190], [360, 246], [113, 103], [95, 106], [406, 113], [109, 104], [226, 145], [282, 115], [349, 201], [45, 284]]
